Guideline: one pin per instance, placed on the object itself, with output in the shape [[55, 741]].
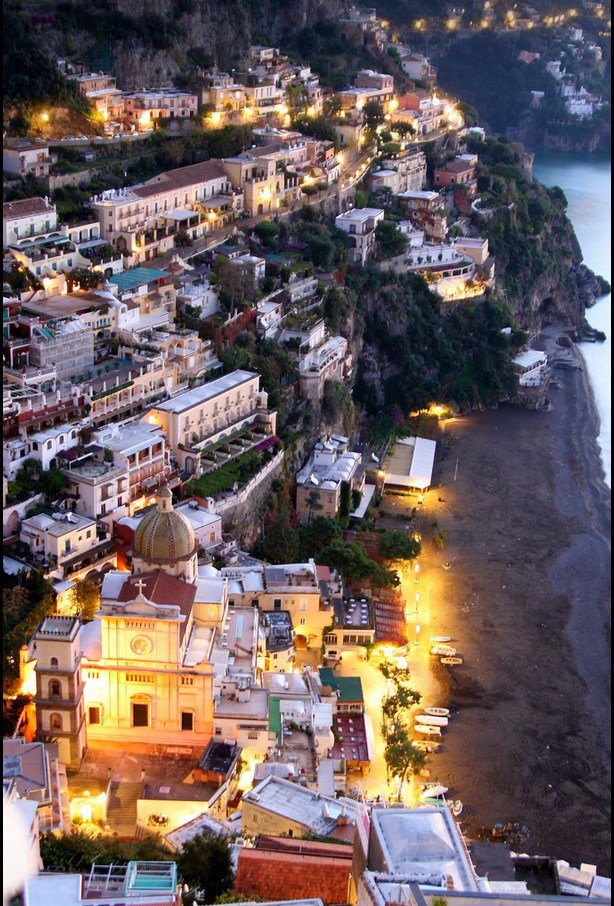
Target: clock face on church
[[141, 644]]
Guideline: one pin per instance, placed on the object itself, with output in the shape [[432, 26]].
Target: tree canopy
[[398, 546], [205, 863]]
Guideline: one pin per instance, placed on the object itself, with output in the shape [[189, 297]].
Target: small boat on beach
[[433, 792], [435, 639], [451, 661], [426, 745], [456, 807], [437, 712], [431, 720], [445, 650], [427, 731]]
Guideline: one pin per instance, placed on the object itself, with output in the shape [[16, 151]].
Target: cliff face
[[577, 139], [223, 30]]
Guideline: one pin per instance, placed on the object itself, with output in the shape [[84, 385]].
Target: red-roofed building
[[294, 870]]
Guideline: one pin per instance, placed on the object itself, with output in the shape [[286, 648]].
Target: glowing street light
[[45, 117]]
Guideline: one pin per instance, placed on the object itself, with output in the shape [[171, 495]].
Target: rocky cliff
[[152, 42]]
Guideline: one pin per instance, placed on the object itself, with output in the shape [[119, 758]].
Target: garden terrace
[[236, 471]]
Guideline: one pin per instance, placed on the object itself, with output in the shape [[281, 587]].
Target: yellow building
[[142, 670]]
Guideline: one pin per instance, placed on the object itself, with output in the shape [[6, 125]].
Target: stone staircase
[[121, 813]]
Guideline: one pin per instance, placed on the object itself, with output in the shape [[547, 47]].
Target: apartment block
[[223, 408], [23, 157], [360, 225], [319, 482], [27, 217], [65, 346]]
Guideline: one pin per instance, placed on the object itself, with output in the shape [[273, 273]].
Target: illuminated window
[[55, 722]]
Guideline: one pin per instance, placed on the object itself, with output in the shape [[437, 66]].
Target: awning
[[216, 201], [180, 214]]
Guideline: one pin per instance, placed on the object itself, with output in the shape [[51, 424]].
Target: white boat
[[427, 731], [446, 650], [431, 720], [451, 661], [432, 792], [426, 745], [437, 712], [456, 807], [440, 638]]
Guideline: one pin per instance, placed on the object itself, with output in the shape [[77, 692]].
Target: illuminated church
[[150, 664]]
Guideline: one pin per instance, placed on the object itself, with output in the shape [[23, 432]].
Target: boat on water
[[446, 650], [456, 807], [426, 730], [451, 661], [431, 720], [437, 712], [440, 638]]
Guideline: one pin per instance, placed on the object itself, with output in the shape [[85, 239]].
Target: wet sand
[[527, 602]]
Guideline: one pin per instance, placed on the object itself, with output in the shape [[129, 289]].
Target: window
[[139, 678], [54, 660], [49, 444], [55, 689], [277, 604], [187, 680], [88, 534], [93, 714], [187, 720], [218, 731], [56, 722], [252, 735], [302, 621]]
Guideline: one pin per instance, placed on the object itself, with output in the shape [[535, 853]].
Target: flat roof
[[52, 890], [410, 462], [138, 276], [26, 207], [297, 803], [348, 687], [190, 398], [529, 357], [424, 843]]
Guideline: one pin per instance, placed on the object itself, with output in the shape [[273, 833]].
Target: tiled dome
[[164, 534]]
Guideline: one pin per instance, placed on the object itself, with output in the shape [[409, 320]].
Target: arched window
[[55, 689], [54, 662], [55, 722]]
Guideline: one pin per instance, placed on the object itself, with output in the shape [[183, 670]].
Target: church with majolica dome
[[144, 669]]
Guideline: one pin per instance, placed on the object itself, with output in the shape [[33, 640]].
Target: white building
[[421, 845], [329, 361], [320, 480], [27, 217], [144, 108], [530, 367], [63, 540], [360, 224], [44, 446], [24, 157], [140, 449], [278, 806], [99, 490]]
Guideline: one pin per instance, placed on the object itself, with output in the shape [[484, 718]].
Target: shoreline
[[527, 602]]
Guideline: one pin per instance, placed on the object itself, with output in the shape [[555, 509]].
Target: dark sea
[[586, 181]]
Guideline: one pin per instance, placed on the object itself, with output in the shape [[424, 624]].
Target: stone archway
[[300, 642]]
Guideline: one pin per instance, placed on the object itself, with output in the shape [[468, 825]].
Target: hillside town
[[231, 577]]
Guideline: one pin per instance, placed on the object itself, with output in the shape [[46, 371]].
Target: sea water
[[586, 181]]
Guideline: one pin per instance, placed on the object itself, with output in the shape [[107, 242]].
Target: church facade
[[144, 669]]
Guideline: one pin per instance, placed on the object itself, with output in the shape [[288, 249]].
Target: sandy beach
[[528, 518]]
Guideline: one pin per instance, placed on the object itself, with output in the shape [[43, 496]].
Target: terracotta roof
[[293, 876], [160, 588], [181, 177], [456, 166], [351, 740], [25, 207], [323, 573]]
